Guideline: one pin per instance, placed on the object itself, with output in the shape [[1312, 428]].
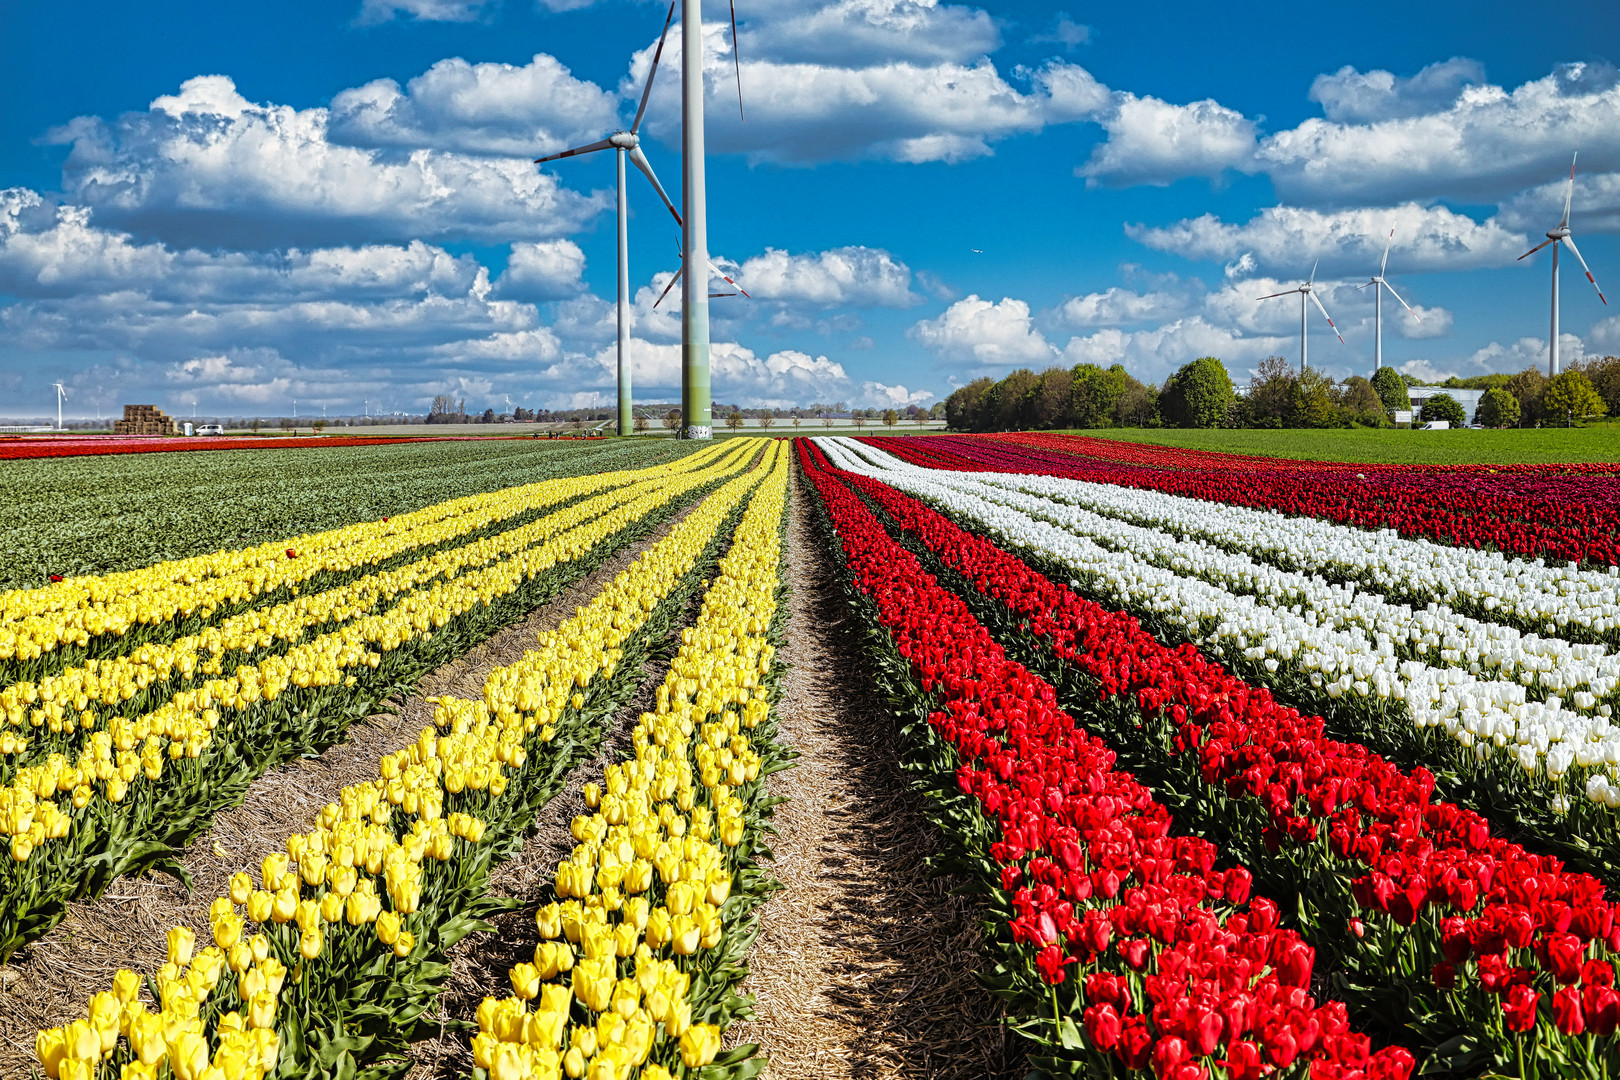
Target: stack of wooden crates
[[144, 420]]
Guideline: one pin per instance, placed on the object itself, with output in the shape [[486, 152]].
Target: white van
[[210, 429]]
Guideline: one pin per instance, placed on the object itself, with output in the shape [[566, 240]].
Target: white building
[[1468, 399]]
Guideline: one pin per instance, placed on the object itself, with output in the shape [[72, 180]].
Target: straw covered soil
[[865, 961], [49, 981]]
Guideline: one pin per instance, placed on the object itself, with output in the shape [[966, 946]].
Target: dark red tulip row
[[1115, 928], [26, 449], [1423, 889], [1564, 511]]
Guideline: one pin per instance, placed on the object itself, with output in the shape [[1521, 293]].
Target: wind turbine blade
[[1385, 264], [1569, 192], [1403, 303], [1575, 251], [1364, 284], [1326, 316], [1312, 279], [639, 160], [1290, 292], [646, 91], [601, 144], [736, 59], [733, 284], [668, 287], [1535, 249]]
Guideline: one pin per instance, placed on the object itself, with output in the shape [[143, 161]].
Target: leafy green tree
[[1443, 407], [1528, 386], [890, 417], [1198, 395], [1605, 376], [1270, 403], [1314, 405], [962, 407], [1497, 409], [1138, 406], [1097, 394], [1570, 394], [1005, 405], [1391, 389], [1359, 402], [1050, 400]]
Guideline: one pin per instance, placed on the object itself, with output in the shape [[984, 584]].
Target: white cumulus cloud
[[983, 333]]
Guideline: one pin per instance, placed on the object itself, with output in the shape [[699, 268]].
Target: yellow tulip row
[[68, 699], [37, 621], [322, 903], [131, 748], [641, 896]]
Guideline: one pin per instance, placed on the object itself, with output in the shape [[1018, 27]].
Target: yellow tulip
[[261, 1010], [404, 944], [507, 1063], [309, 943], [181, 942], [699, 1045], [228, 930], [387, 927], [51, 1047], [525, 979], [188, 1056], [126, 986]]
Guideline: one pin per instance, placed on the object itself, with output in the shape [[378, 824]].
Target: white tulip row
[[1586, 675], [1560, 600], [1474, 710]]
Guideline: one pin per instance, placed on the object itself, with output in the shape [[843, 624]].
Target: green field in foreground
[[1464, 447]]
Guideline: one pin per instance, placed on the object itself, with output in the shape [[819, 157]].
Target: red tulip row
[[1486, 937], [27, 449], [1566, 512], [1175, 968]]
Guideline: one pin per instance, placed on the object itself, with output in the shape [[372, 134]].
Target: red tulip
[[1519, 1008], [1102, 1026], [1567, 1014]]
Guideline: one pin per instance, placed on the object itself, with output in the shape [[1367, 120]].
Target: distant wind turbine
[[628, 144], [1555, 237], [1378, 285], [1305, 290], [61, 392]]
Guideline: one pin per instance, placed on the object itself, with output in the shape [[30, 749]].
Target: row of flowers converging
[[1488, 939], [1530, 511], [154, 775], [87, 694], [1379, 665], [1175, 968], [653, 894], [164, 597], [354, 916], [12, 449]]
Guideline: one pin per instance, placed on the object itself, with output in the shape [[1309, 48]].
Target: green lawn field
[[1600, 442]]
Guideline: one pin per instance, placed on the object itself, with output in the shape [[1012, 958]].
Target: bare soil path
[[865, 962]]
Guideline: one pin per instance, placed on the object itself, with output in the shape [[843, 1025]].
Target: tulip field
[[1258, 767]]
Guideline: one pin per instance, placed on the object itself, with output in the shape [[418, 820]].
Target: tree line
[[1201, 394]]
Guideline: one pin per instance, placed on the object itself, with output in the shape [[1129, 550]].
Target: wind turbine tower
[[1555, 237], [1378, 285], [627, 144], [61, 392], [1306, 292]]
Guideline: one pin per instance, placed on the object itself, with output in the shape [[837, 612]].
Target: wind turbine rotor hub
[[625, 140]]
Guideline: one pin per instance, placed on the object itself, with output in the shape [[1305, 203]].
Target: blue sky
[[241, 205]]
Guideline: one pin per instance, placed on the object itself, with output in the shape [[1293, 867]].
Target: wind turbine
[[1555, 237], [628, 144], [61, 392], [697, 418], [1378, 285], [1305, 290]]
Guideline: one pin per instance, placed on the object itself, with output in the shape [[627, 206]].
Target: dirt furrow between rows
[[865, 964]]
